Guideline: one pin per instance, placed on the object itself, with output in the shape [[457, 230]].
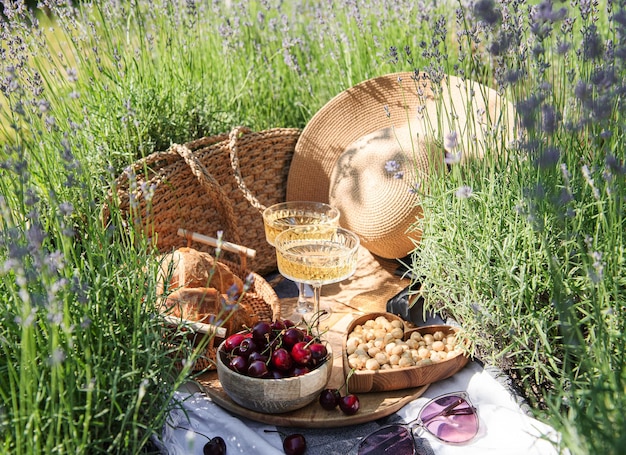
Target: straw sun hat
[[369, 148]]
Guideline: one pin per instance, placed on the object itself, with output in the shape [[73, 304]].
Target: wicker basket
[[218, 183], [261, 298]]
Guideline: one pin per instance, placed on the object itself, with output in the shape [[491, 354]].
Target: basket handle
[[211, 186], [163, 158], [234, 136]]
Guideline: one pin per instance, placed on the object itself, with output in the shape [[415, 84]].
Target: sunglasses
[[451, 418]]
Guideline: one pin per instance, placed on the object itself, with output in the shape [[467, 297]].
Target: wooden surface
[[367, 291], [373, 406]]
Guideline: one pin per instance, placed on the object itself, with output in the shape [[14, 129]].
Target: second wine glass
[[317, 255]]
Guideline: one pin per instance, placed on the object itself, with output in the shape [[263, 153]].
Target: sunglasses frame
[[419, 423]]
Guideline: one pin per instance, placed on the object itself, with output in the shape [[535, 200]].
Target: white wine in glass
[[285, 215], [317, 255]]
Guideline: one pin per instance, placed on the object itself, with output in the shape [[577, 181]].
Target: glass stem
[[317, 291], [302, 301]]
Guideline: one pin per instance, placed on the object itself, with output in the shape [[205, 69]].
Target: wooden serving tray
[[373, 406], [368, 290]]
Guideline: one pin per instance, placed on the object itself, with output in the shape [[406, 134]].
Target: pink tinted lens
[[394, 440], [450, 418]]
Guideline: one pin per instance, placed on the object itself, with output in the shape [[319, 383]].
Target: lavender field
[[525, 247]]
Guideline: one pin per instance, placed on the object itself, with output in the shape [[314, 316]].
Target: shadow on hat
[[372, 148]]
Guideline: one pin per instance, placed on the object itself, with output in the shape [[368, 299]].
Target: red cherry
[[281, 360], [288, 323], [256, 355], [301, 353], [278, 325], [239, 364], [215, 446], [292, 336], [294, 444], [318, 352], [276, 374], [349, 404], [257, 369], [299, 370], [233, 341], [247, 347], [261, 331], [329, 399]]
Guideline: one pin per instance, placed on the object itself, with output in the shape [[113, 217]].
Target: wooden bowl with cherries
[[381, 353], [274, 368]]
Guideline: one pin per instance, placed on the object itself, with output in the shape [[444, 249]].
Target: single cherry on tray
[[294, 444], [329, 399], [349, 404]]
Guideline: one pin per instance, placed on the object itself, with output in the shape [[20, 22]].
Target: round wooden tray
[[373, 406]]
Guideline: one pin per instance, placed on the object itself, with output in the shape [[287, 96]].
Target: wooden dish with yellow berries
[[381, 353]]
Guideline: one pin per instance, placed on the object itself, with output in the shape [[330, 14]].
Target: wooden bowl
[[400, 378], [273, 396]]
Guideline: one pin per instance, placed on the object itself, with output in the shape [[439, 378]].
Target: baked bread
[[207, 305], [191, 268]]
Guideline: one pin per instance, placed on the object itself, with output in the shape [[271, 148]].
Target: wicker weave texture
[[218, 183], [263, 303]]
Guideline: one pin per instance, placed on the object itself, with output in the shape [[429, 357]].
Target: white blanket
[[504, 427]]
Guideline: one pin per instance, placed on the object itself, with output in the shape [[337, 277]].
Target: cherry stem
[[194, 431], [345, 384]]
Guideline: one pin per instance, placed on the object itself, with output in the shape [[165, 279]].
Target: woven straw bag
[[217, 183]]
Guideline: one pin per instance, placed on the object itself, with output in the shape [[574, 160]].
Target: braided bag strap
[[234, 136], [212, 188]]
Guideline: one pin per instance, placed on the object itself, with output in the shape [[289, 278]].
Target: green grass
[[531, 263]]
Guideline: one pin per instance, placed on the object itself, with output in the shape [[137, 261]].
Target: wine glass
[[317, 255], [284, 215]]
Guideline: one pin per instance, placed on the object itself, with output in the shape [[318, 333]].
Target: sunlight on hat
[[369, 148], [375, 184]]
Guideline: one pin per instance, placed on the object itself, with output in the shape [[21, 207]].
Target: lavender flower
[[487, 12], [451, 141], [248, 282], [548, 158], [393, 167], [57, 357], [464, 192], [393, 55], [452, 158], [589, 179], [592, 43], [596, 273]]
